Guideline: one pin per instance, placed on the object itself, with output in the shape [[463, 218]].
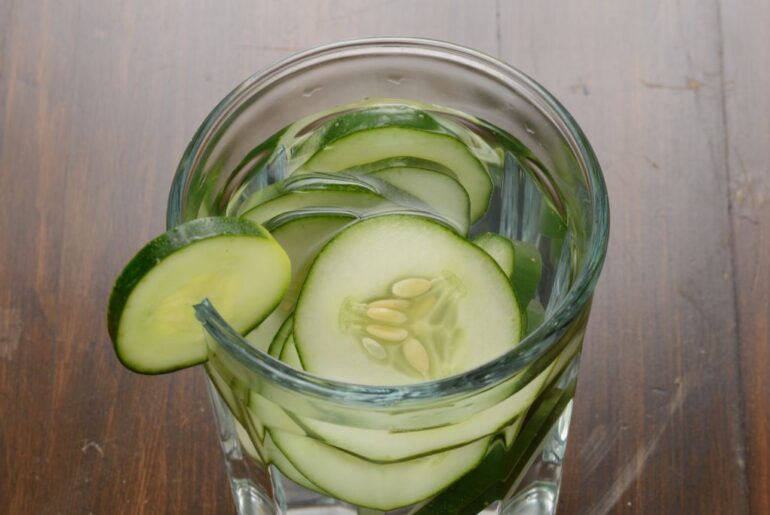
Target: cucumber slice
[[503, 466], [320, 184], [290, 356], [265, 413], [535, 315], [234, 263], [386, 446], [333, 197], [224, 390], [500, 248], [399, 299], [440, 191], [262, 336], [301, 236], [279, 459], [378, 133], [405, 162], [527, 268], [276, 346], [246, 443], [375, 485], [520, 260]]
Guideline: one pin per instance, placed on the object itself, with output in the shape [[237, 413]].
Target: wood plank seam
[[736, 312]]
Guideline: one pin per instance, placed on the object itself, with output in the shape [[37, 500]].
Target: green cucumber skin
[[300, 183], [268, 145], [489, 240], [392, 116], [491, 479], [401, 162], [527, 269], [276, 346], [379, 118], [156, 251]]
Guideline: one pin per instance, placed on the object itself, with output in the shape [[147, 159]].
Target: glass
[[489, 440]]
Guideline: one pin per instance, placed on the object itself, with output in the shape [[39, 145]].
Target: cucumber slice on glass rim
[[234, 263]]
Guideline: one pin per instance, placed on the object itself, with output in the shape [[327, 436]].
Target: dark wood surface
[[98, 99]]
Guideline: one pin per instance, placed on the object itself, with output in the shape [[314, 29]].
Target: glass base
[[256, 492]]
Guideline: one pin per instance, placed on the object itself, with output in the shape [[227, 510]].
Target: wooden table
[[97, 102]]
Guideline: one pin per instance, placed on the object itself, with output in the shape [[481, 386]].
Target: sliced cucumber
[[527, 267], [399, 299], [234, 263], [264, 412], [290, 356], [500, 248], [262, 335], [246, 442], [375, 485], [279, 459], [503, 466], [276, 346], [333, 197], [404, 162], [322, 189], [520, 260], [370, 135], [224, 390], [301, 236], [512, 431], [439, 191], [385, 446], [535, 315]]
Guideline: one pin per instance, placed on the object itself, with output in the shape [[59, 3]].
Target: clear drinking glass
[[488, 440]]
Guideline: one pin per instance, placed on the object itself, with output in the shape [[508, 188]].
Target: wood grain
[[747, 104], [98, 100], [652, 430]]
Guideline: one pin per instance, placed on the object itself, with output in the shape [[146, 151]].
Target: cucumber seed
[[408, 288]]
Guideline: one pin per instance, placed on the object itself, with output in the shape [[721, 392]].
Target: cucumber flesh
[[246, 443], [290, 356], [276, 346], [299, 184], [527, 268], [375, 485], [385, 446], [264, 412], [520, 260], [262, 335], [500, 248], [535, 315], [224, 391], [279, 460], [362, 200], [234, 263], [371, 135], [301, 236], [404, 162], [360, 319], [440, 191]]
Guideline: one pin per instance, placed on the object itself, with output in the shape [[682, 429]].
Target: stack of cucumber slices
[[356, 267]]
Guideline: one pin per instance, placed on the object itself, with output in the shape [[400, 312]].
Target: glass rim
[[484, 376]]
